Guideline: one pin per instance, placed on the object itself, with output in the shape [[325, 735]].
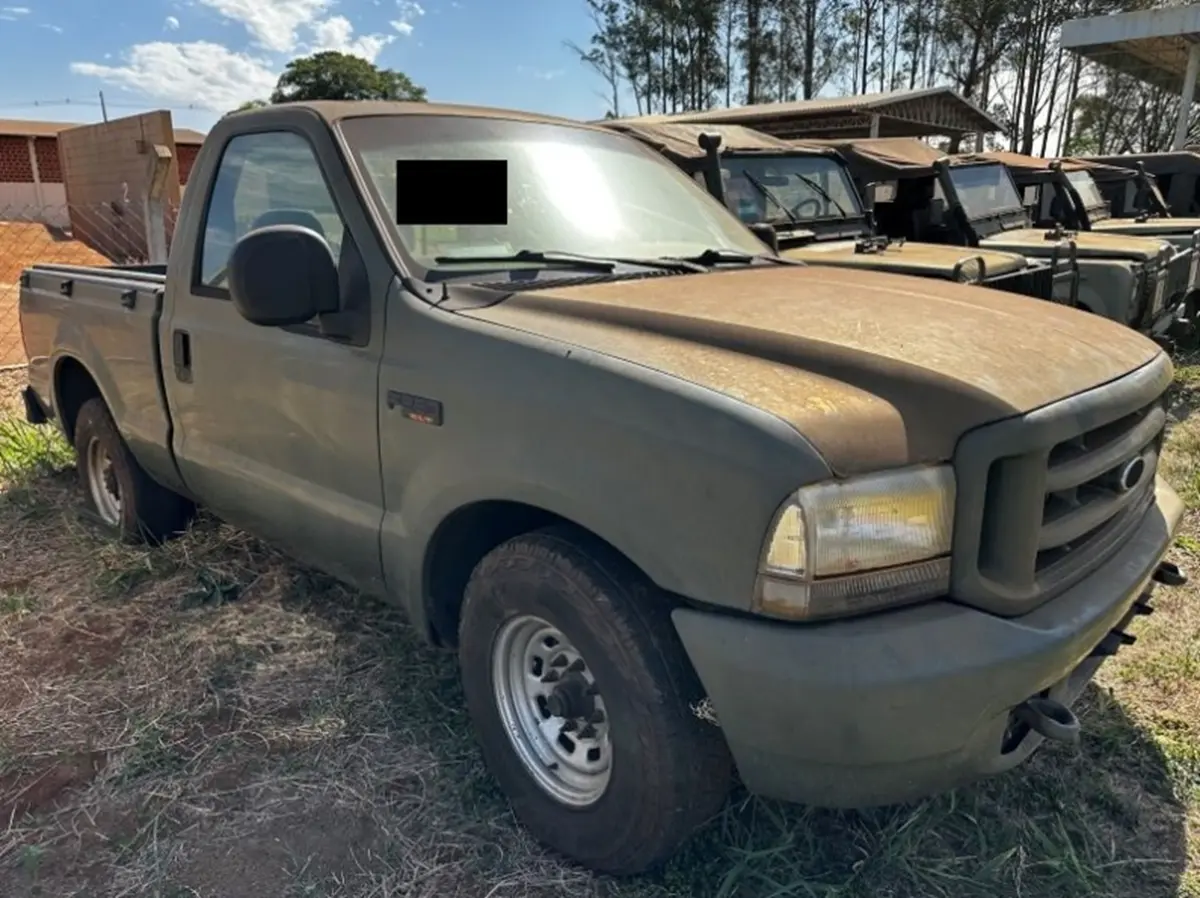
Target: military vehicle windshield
[[1085, 186], [788, 188], [985, 190]]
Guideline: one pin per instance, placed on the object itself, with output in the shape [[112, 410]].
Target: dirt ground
[[213, 720], [23, 244]]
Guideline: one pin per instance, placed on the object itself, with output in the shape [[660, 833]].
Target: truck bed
[[108, 318]]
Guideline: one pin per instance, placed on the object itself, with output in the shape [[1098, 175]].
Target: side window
[[265, 179]]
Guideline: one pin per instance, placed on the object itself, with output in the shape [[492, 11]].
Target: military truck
[[922, 193], [1177, 173], [1067, 192], [805, 195]]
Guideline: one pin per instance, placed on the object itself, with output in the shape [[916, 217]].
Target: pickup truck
[[678, 505]]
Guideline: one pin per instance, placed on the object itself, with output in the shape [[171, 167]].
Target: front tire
[[118, 490], [581, 697]]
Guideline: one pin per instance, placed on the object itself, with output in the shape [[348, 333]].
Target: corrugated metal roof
[[822, 107], [28, 128]]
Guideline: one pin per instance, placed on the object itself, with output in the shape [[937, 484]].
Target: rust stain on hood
[[876, 370]]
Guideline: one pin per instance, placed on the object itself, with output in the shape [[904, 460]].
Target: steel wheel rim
[[552, 711], [102, 483]]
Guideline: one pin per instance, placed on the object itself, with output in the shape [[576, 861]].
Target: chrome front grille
[[1045, 497]]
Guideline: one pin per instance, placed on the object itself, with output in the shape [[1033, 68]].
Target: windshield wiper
[[824, 193], [601, 264], [770, 195], [711, 257]]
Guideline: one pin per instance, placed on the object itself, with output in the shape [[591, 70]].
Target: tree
[[330, 75], [252, 104]]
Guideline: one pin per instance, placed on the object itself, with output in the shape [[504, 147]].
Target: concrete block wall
[[106, 171]]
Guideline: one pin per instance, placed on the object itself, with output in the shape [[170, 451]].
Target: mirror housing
[[766, 233], [281, 275]]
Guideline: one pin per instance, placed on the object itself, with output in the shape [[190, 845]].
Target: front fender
[[1107, 288]]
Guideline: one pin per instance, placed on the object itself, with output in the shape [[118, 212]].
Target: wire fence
[[105, 233]]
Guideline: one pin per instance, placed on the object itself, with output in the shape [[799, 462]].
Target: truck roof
[[339, 110]]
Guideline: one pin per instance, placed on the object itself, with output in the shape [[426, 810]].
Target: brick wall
[[49, 169], [187, 158], [14, 160]]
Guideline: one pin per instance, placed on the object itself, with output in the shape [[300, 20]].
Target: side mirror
[[766, 233], [283, 274]]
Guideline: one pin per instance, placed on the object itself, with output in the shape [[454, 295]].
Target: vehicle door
[[276, 428]]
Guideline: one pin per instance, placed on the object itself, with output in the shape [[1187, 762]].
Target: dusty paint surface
[[875, 369], [925, 259]]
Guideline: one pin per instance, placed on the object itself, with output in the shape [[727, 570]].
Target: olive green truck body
[[881, 529]]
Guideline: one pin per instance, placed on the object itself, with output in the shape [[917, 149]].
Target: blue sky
[[200, 58]]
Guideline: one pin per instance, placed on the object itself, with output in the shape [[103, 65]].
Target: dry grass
[[212, 719]]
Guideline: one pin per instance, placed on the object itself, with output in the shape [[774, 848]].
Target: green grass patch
[[27, 451]]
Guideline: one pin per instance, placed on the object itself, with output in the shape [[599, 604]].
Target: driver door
[[275, 428]]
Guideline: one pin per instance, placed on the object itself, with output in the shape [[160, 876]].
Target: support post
[[875, 126], [153, 208], [1189, 93]]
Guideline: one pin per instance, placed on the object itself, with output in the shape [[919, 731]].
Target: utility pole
[[103, 108]]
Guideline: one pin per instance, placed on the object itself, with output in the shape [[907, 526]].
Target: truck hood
[[1091, 244], [875, 370], [1152, 227], [922, 259]]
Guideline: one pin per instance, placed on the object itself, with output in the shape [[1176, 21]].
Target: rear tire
[[118, 490], [646, 771]]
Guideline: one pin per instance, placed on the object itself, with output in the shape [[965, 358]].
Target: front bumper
[[904, 704]]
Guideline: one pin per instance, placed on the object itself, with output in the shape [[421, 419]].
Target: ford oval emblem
[[1131, 474]]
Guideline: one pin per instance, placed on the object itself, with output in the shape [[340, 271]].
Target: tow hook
[[1168, 574], [1052, 719]]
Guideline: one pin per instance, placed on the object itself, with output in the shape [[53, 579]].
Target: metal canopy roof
[[933, 112], [1150, 45]]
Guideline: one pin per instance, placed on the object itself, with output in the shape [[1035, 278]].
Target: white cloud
[[15, 10], [336, 33], [201, 73], [540, 74], [409, 12], [57, 29], [272, 23], [171, 23]]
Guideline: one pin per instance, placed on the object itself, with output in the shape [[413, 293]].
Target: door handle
[[181, 349]]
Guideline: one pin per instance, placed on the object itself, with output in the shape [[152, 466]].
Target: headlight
[[969, 271], [851, 546]]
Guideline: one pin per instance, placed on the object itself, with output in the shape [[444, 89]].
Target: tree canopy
[[330, 75], [663, 56]]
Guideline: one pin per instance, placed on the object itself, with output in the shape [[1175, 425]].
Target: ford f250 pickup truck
[[677, 504]]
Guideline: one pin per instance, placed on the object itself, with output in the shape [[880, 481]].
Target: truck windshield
[[1085, 186], [985, 190], [570, 190], [788, 188]]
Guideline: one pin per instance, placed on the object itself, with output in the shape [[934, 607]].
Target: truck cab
[[804, 193], [1176, 172], [973, 201]]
